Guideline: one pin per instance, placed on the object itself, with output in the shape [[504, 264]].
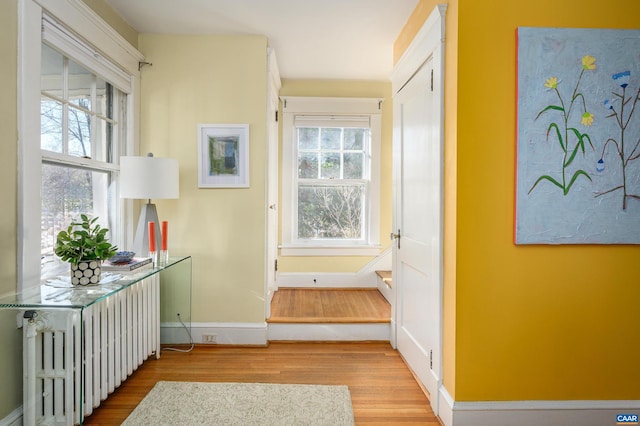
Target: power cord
[[188, 333]]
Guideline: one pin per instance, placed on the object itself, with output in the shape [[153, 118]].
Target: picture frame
[[223, 155], [578, 136]]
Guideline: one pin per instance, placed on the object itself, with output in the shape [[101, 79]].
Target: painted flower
[[622, 78], [600, 165], [588, 62], [608, 104], [551, 83], [587, 119]]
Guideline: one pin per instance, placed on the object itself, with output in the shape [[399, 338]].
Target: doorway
[[418, 199]]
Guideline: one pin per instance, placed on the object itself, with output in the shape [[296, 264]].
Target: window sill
[[298, 250]]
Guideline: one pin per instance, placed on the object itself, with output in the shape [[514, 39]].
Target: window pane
[[79, 133], [80, 83], [103, 98], [353, 165], [50, 125], [330, 212], [51, 74], [101, 137], [354, 139], [330, 138], [67, 192], [330, 165], [308, 165], [308, 138]]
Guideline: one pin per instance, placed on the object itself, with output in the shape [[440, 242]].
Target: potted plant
[[84, 246]]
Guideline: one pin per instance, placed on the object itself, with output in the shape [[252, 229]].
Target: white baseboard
[[329, 332], [364, 278], [261, 333], [445, 406], [222, 333], [533, 413], [13, 419], [322, 280]]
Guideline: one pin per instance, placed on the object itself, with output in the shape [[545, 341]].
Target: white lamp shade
[[149, 178]]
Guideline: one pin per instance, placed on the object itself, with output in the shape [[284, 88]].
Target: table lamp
[[148, 178]]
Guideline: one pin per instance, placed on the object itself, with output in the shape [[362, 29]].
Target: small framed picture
[[223, 155]]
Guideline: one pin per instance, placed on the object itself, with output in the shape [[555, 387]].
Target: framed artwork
[[223, 155], [578, 136]]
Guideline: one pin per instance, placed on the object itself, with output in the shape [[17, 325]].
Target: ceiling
[[312, 39]]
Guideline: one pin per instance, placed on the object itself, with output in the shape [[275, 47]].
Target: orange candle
[[152, 237], [165, 230]]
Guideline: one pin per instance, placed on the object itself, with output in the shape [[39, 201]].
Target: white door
[[417, 224]]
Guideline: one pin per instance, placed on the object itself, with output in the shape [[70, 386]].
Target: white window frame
[[327, 109], [73, 23]]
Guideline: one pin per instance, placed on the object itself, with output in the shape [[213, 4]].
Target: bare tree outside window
[[332, 183], [76, 108]]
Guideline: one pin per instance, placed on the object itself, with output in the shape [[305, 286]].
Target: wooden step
[[322, 305], [385, 276]]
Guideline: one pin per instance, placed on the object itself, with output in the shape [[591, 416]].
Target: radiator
[[74, 358]]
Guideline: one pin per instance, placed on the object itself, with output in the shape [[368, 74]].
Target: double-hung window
[[330, 176], [73, 127], [81, 115]]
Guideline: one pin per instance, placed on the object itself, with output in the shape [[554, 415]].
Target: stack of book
[[129, 265]]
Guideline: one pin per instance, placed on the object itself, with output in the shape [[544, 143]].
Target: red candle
[[165, 230], [152, 236]]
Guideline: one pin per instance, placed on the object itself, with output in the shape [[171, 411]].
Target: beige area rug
[[195, 403]]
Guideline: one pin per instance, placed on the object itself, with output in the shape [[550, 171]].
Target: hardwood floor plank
[[383, 390], [312, 305]]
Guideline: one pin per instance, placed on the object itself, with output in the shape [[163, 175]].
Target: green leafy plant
[[564, 133], [84, 240]]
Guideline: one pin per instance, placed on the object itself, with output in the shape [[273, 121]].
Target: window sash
[[61, 39], [352, 233], [77, 24], [95, 131], [331, 219]]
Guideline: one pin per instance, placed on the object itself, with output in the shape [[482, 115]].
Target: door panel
[[417, 214]]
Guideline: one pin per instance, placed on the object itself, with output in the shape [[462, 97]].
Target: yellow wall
[[10, 336], [211, 79], [355, 89], [529, 322]]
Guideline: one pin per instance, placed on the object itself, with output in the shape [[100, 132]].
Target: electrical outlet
[[209, 338]]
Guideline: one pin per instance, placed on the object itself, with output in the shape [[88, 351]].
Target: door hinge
[[276, 116], [275, 266], [432, 80], [431, 359]]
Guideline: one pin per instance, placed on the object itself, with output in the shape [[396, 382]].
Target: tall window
[[330, 175], [80, 117], [77, 106], [332, 183]]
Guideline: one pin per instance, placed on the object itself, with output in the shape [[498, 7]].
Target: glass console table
[[81, 342]]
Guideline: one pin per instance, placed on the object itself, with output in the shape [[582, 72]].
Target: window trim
[[86, 26], [338, 108]]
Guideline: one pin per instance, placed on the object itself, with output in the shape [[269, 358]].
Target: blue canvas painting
[[578, 136]]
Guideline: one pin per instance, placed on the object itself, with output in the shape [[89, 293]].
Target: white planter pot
[[86, 272]]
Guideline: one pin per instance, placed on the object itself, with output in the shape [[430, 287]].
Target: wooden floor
[[383, 390], [315, 305]]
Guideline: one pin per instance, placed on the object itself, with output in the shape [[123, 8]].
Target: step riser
[[329, 332]]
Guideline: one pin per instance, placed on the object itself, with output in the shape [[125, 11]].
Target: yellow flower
[[588, 62], [551, 83], [587, 119]]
